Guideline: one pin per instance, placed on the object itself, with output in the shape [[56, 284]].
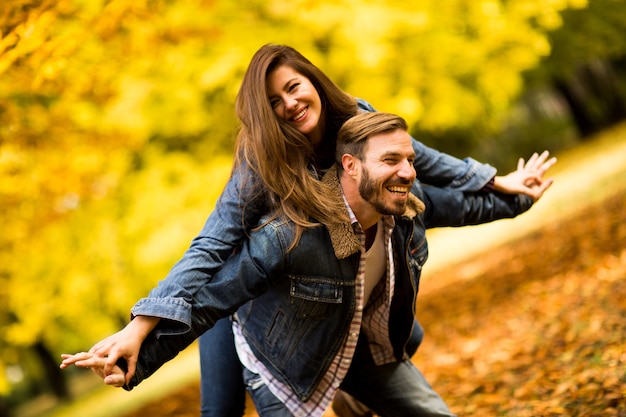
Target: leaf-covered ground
[[537, 327], [533, 328]]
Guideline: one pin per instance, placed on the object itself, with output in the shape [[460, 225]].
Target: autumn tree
[[587, 66]]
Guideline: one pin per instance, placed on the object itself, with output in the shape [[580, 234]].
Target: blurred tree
[[588, 64], [573, 92], [114, 115]]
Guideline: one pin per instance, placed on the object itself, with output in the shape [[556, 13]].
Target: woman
[[290, 112]]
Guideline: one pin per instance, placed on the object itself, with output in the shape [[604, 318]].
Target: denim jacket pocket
[[314, 297]]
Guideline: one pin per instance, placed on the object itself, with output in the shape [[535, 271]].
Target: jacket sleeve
[[443, 170], [247, 274], [449, 207], [223, 231]]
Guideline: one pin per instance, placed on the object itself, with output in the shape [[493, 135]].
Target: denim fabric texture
[[396, 389], [221, 386], [295, 308], [235, 214], [265, 402]]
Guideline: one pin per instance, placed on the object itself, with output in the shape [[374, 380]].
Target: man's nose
[[407, 171]]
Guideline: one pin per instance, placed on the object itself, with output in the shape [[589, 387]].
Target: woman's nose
[[291, 103]]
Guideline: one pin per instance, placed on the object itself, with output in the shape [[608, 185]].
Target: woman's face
[[296, 101]]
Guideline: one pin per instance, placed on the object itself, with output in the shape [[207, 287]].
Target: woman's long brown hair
[[279, 155]]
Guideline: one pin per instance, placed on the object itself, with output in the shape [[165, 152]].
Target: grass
[[584, 175]]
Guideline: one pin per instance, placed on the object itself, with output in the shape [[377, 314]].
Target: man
[[336, 311]]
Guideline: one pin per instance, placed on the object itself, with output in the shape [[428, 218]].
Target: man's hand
[[528, 178]]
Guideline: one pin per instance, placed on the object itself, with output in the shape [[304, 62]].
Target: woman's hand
[[115, 378], [528, 178], [124, 344]]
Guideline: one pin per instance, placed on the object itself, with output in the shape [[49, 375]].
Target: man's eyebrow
[[397, 153]]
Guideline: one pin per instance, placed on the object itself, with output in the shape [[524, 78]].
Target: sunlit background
[[117, 127]]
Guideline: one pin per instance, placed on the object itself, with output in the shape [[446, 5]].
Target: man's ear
[[349, 163]]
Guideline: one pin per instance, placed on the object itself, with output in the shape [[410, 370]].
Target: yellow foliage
[[114, 116]]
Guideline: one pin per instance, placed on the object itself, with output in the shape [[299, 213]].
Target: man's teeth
[[398, 189]]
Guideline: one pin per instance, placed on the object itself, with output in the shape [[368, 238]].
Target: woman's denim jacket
[[295, 307], [228, 225]]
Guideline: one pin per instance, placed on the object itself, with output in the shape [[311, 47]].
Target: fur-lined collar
[[345, 242]]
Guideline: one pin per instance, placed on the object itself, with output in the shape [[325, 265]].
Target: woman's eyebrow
[[289, 81]]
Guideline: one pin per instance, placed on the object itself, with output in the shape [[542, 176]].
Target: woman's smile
[[295, 100]]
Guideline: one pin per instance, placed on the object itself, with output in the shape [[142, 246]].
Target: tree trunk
[[596, 96], [4, 409], [53, 373]]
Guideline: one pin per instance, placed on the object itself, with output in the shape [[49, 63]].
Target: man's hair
[[353, 135], [278, 154]]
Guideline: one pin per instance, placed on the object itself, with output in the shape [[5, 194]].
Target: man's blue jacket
[[295, 306]]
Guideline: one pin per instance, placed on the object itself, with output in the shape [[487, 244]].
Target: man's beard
[[371, 191]]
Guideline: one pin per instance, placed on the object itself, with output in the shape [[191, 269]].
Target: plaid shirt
[[374, 323]]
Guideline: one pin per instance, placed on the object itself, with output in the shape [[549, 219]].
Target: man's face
[[387, 172]]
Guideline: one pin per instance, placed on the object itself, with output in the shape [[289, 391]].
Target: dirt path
[[534, 328]]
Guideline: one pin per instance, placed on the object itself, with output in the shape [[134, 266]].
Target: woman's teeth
[[300, 115]]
